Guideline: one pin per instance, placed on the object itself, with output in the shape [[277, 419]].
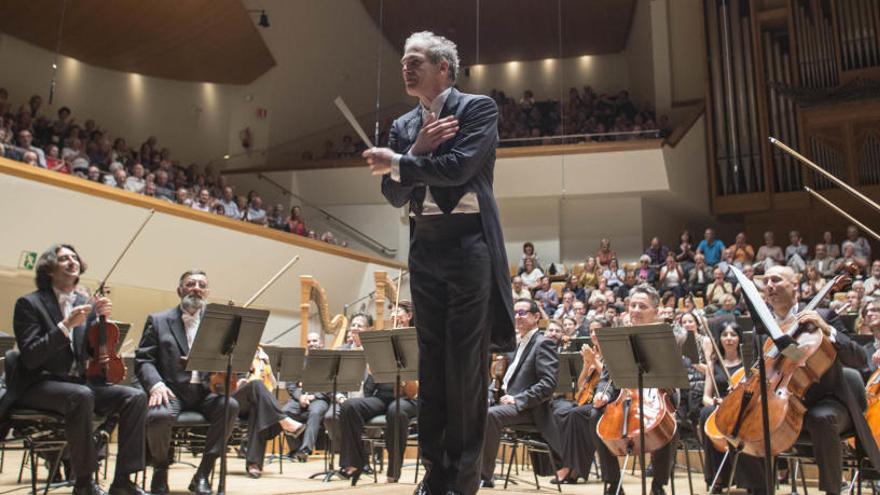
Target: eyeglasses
[[522, 312]]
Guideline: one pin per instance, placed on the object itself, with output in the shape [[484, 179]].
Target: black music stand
[[393, 356], [335, 370], [227, 340], [570, 366], [638, 358], [287, 364]]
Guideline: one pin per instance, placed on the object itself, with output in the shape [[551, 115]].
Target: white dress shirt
[[520, 350]]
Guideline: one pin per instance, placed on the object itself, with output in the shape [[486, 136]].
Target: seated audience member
[[203, 200], [850, 256], [831, 247], [871, 320], [605, 255], [276, 218], [26, 142], [672, 277], [182, 197], [727, 304], [94, 174], [571, 284], [164, 189], [529, 252], [255, 212], [743, 252], [546, 296], [813, 281], [699, 276], [710, 247], [656, 252], [54, 161], [872, 283], [519, 290], [824, 263], [230, 204], [861, 246], [613, 274], [30, 158], [135, 182], [598, 303], [531, 275], [769, 255], [526, 390], [567, 306], [684, 254], [295, 223], [590, 277], [630, 280], [717, 288], [645, 272], [796, 252]]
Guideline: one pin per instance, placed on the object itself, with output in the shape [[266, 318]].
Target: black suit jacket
[[45, 351], [533, 383], [157, 358], [465, 163]]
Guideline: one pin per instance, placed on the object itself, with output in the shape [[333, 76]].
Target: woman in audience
[[684, 254], [590, 278], [295, 224], [569, 326], [813, 281], [718, 288], [531, 275], [831, 247], [644, 272], [613, 274], [528, 252], [672, 277], [605, 255], [769, 255]]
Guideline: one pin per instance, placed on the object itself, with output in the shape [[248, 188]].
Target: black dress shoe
[[487, 483], [159, 483], [91, 488], [611, 489], [199, 485], [657, 490], [302, 455], [422, 489], [126, 487]]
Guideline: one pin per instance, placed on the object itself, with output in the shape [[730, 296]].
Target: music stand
[[227, 340], [393, 355], [690, 349], [335, 370], [640, 357], [287, 364], [570, 366]]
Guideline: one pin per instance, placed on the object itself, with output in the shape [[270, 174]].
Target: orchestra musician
[[50, 327], [160, 366], [377, 399], [306, 407], [715, 388], [643, 303], [832, 407], [578, 447], [527, 389], [871, 319]]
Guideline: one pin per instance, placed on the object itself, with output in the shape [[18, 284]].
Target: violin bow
[[100, 290], [271, 281]]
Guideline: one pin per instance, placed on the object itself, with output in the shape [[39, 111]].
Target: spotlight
[[264, 20]]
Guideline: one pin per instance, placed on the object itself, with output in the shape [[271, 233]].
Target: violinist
[[715, 388], [50, 326], [578, 442], [643, 303], [527, 389], [831, 404], [377, 399], [160, 366]]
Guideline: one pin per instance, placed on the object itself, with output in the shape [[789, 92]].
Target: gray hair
[[437, 48], [648, 291]]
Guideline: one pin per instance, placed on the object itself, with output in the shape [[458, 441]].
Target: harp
[[385, 291], [336, 325]]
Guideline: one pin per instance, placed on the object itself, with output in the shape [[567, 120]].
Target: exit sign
[[28, 260]]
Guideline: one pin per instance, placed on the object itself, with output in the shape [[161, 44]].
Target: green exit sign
[[28, 260]]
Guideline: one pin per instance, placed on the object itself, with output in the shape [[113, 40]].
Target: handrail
[[648, 133], [372, 243]]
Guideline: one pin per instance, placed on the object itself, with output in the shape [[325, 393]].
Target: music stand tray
[[386, 349]]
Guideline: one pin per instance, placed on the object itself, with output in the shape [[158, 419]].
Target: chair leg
[[687, 463], [792, 478], [527, 453], [24, 459], [553, 467], [510, 464], [33, 462], [418, 464], [803, 477], [503, 458]]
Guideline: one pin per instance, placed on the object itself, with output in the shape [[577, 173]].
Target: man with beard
[[50, 327], [160, 365]]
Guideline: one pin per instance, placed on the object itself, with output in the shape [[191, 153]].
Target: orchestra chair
[[529, 440], [854, 459], [374, 438]]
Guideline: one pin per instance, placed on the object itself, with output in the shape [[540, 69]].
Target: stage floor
[[296, 480]]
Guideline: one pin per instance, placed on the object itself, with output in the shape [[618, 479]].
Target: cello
[[104, 363], [790, 373]]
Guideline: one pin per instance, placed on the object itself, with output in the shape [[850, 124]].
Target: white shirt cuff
[[64, 329], [395, 167]]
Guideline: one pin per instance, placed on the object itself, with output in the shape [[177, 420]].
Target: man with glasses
[[527, 388], [26, 142]]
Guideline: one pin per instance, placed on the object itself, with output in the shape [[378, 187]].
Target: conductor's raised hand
[[433, 133], [379, 160]]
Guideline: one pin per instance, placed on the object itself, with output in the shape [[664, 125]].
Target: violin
[[105, 364], [619, 425], [739, 418], [587, 380]]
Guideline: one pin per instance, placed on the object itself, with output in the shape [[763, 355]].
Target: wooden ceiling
[[192, 40], [511, 29]]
